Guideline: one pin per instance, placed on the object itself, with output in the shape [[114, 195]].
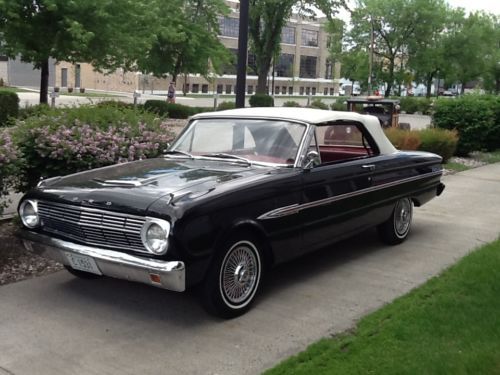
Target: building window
[[229, 26], [284, 68], [329, 69], [252, 65], [325, 91], [250, 89], [314, 90], [204, 89], [308, 91], [196, 88], [288, 35], [308, 66], [185, 87], [232, 66], [220, 89], [290, 90], [228, 89], [301, 90], [309, 38], [283, 90], [332, 91]]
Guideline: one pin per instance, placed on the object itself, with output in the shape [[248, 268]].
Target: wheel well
[[254, 230]]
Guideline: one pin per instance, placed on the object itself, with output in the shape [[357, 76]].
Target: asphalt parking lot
[[61, 325]]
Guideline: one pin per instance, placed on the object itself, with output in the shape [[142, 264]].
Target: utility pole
[[242, 54], [370, 62]]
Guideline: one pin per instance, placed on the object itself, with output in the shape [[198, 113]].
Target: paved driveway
[[61, 325]]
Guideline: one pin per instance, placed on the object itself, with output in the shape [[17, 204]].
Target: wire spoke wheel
[[240, 274], [402, 217]]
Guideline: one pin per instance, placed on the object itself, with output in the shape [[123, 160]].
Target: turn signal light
[[155, 278]]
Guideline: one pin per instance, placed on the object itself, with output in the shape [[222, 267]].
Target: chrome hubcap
[[402, 216], [239, 274]]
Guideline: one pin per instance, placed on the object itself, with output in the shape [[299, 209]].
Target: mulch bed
[[16, 263]]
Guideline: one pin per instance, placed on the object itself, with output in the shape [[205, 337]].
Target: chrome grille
[[93, 226]]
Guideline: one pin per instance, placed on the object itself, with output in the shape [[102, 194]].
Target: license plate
[[83, 263]]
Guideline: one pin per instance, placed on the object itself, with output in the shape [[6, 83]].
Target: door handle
[[370, 167]]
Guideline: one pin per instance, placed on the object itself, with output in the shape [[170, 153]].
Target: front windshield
[[258, 141]]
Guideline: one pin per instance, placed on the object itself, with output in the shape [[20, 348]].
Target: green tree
[[267, 19], [395, 24], [106, 33], [472, 48], [427, 50], [186, 39]]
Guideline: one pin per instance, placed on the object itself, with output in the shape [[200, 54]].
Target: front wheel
[[396, 228], [234, 278]]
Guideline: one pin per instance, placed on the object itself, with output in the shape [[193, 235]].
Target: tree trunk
[[428, 84], [262, 82], [44, 82], [390, 81]]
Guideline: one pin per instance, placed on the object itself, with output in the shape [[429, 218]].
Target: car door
[[336, 197]]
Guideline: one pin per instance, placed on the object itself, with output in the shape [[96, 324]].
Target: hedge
[[338, 106], [9, 106], [476, 118], [261, 100], [439, 141], [412, 105], [173, 110], [317, 103], [291, 103]]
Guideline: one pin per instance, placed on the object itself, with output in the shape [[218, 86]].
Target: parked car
[[237, 192]]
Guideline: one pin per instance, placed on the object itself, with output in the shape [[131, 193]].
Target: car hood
[[133, 187]]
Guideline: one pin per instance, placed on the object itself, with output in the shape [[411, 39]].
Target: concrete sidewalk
[[61, 325]]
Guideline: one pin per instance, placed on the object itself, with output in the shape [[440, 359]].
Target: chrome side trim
[[110, 263], [296, 208]]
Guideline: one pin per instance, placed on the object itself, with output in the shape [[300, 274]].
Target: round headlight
[[154, 235], [28, 211]]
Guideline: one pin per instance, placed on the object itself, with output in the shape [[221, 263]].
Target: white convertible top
[[311, 116]]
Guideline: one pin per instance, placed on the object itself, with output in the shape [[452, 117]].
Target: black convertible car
[[237, 192]]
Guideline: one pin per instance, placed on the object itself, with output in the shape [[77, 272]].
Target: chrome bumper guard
[[166, 274]]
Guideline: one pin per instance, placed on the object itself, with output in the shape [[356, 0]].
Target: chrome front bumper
[[167, 274]]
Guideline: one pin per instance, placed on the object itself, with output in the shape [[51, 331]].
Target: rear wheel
[[82, 274], [396, 228], [234, 277]]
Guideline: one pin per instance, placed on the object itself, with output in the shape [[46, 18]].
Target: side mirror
[[312, 160]]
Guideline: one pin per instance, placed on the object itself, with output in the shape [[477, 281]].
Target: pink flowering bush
[[9, 165], [70, 140]]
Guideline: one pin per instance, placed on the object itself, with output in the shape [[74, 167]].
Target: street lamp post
[[242, 54], [370, 62]]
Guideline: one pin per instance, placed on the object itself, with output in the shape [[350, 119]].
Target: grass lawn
[[450, 325], [456, 166], [488, 157], [13, 89]]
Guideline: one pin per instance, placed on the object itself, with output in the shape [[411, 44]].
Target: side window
[[342, 142]]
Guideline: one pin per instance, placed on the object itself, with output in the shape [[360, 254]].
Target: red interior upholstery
[[336, 153]]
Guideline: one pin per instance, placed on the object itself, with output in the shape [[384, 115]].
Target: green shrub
[[9, 106], [439, 141], [68, 140], [338, 106], [291, 103], [410, 104], [476, 119], [115, 103], [403, 139], [10, 162], [317, 103], [226, 105], [173, 110], [261, 100], [32, 110]]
